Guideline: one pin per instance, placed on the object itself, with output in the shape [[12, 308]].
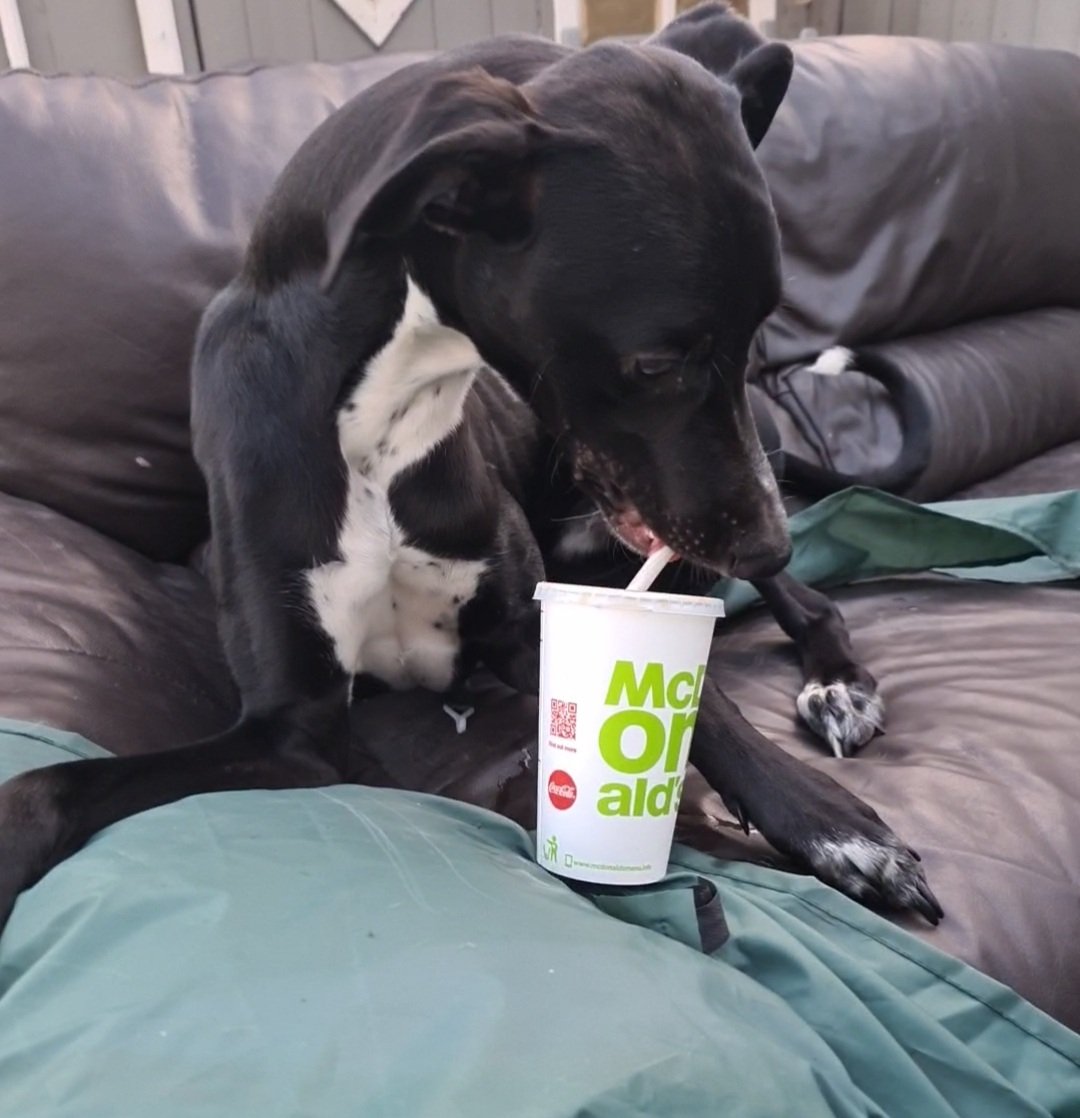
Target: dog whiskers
[[540, 373]]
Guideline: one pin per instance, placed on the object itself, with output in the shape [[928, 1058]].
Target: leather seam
[[197, 693]]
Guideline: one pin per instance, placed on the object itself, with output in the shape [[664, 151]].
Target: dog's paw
[[814, 820], [878, 871], [846, 715]]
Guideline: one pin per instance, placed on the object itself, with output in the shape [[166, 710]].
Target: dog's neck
[[411, 393], [431, 262]]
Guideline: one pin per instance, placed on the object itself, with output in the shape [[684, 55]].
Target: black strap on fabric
[[815, 479], [712, 923]]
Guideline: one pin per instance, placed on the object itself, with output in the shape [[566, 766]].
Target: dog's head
[[604, 235]]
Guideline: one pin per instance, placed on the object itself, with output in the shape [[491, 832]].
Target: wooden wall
[[1042, 23], [98, 36], [233, 31], [103, 36]]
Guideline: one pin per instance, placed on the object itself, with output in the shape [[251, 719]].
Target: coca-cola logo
[[562, 791]]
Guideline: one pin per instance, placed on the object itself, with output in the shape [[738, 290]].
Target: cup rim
[[646, 601]]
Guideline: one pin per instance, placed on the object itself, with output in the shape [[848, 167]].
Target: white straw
[[651, 568]]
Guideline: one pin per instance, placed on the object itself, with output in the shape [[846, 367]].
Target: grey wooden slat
[[934, 19], [38, 32], [545, 12], [223, 32], [416, 31], [517, 15], [91, 36], [904, 19], [233, 31], [1013, 22], [824, 16], [865, 17], [972, 20], [185, 26], [461, 21], [280, 31], [790, 19], [1057, 24], [337, 38]]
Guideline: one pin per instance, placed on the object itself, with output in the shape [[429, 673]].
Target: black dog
[[594, 226]]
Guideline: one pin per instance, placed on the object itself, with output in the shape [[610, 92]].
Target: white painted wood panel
[[15, 52], [160, 36]]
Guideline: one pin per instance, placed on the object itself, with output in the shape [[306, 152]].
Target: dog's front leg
[[47, 814], [804, 813], [839, 700]]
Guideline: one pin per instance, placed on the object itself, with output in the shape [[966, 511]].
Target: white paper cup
[[621, 674]]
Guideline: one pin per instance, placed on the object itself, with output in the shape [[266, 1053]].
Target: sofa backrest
[[122, 209], [920, 185], [917, 185]]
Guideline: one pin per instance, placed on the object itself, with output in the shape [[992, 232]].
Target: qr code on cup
[[563, 719]]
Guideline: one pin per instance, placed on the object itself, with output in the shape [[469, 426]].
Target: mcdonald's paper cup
[[621, 674]]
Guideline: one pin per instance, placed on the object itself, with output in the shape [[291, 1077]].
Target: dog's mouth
[[630, 528], [621, 516], [719, 543], [626, 523]]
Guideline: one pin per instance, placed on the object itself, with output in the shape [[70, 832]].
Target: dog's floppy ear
[[733, 49], [462, 162], [762, 79]]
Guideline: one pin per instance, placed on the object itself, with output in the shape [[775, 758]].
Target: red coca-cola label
[[562, 791]]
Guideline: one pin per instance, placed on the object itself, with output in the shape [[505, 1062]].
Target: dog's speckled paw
[[846, 715], [879, 872], [810, 817]]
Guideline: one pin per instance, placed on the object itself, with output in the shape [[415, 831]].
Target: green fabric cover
[[358, 952], [864, 533]]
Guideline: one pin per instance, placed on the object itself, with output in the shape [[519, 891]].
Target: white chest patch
[[392, 609]]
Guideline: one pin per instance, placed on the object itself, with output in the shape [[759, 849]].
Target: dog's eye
[[656, 364], [661, 362]]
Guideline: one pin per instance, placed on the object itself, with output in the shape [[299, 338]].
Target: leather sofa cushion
[[1056, 469], [979, 768], [98, 639], [122, 209], [920, 185], [994, 394]]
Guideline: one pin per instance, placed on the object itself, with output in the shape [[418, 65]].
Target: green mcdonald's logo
[[640, 696]]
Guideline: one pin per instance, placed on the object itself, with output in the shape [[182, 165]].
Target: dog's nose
[[760, 562]]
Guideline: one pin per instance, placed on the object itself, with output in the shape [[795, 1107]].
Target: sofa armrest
[[989, 394], [96, 639]]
